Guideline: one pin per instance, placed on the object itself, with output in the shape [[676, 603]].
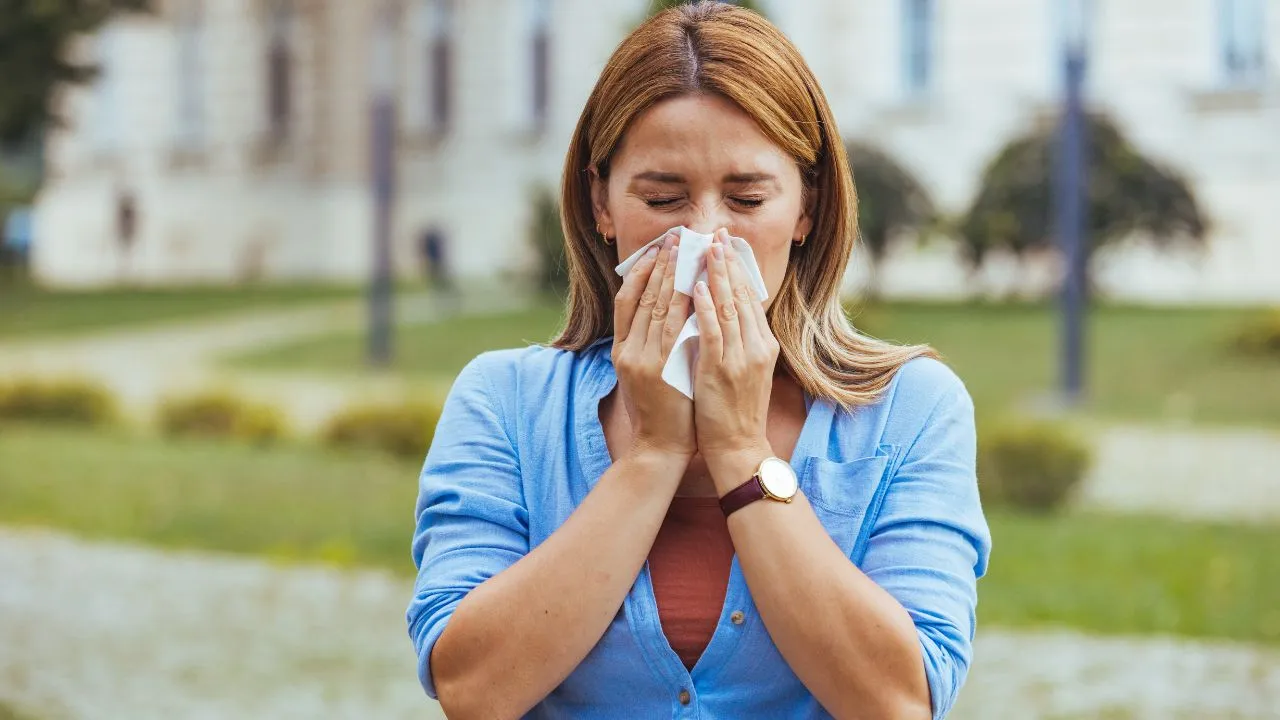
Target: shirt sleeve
[[930, 543], [471, 518]]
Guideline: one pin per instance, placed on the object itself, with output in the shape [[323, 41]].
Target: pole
[[382, 166], [1071, 213]]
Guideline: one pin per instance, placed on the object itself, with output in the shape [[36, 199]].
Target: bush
[[547, 236], [72, 401], [221, 415], [1032, 466], [1262, 336], [403, 430]]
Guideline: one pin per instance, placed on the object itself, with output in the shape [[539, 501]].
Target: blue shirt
[[520, 444]]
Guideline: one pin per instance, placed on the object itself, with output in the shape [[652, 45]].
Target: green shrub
[[71, 401], [1032, 465], [220, 415], [403, 430], [1261, 336], [547, 236]]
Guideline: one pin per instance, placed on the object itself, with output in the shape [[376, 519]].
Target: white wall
[[1154, 67]]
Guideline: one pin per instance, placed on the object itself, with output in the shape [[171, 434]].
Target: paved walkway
[[144, 365], [1231, 474], [1187, 472], [99, 631]]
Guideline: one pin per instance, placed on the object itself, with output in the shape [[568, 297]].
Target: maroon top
[[689, 564]]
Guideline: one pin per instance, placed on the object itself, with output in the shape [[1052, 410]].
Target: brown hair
[[714, 47]]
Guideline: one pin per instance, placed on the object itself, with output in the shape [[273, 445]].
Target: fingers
[[744, 298], [652, 291], [628, 297], [661, 310], [677, 315], [726, 309], [743, 250], [711, 342]]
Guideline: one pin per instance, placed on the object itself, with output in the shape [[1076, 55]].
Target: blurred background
[[248, 243]]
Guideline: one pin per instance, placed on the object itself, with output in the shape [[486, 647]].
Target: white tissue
[[691, 267]]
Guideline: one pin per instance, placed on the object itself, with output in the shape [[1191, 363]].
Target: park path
[[144, 364], [1200, 473], [103, 631]]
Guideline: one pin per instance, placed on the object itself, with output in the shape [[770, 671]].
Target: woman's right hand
[[647, 316]]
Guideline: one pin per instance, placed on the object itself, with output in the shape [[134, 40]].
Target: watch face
[[778, 479]]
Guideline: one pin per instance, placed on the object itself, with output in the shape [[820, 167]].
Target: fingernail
[[700, 288], [672, 254], [652, 252], [668, 241], [717, 251]]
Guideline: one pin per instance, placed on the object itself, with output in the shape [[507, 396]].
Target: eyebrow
[[732, 178]]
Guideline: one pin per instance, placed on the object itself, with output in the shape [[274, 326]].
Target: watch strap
[[742, 496]]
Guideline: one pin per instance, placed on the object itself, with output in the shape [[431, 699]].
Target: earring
[[801, 241], [604, 237]]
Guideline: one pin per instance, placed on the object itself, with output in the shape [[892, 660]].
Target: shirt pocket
[[845, 495]]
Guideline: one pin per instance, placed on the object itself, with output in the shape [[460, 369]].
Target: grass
[[1129, 574], [289, 502], [1104, 573], [28, 311], [430, 351], [8, 713], [1143, 364]]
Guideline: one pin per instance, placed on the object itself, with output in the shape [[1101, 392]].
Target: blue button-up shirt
[[520, 444]]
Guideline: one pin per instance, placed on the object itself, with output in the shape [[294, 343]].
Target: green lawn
[[27, 311], [1105, 573], [429, 351], [1143, 364], [8, 713]]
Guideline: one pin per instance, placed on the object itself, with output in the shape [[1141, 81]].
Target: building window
[[1242, 39], [540, 82], [918, 20], [106, 126], [191, 86], [435, 25], [280, 31]]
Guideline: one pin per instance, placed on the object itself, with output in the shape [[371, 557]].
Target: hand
[[734, 374], [647, 317]]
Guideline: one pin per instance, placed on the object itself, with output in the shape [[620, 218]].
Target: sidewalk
[[1198, 473], [99, 631], [142, 366]]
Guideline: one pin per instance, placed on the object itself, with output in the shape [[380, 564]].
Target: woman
[[593, 543]]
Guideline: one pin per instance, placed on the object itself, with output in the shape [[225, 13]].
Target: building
[[228, 139]]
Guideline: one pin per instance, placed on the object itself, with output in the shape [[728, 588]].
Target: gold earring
[[604, 237], [801, 241]]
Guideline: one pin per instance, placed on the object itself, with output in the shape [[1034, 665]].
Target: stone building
[[229, 139]]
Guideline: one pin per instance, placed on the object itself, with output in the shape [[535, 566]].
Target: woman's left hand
[[734, 375]]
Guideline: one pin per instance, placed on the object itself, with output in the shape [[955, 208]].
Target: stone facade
[[186, 125]]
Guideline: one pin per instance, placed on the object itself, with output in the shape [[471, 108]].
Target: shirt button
[[737, 617], [684, 697]]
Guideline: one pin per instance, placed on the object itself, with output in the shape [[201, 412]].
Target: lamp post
[[382, 174], [1071, 204]]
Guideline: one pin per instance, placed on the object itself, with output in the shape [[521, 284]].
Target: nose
[[709, 217]]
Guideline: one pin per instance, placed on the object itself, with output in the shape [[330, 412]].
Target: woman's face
[[702, 162]]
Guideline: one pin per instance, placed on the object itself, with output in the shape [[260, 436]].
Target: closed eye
[[661, 202]]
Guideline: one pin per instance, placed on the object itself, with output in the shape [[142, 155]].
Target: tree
[[890, 201], [34, 35], [657, 6], [1128, 195], [547, 235]]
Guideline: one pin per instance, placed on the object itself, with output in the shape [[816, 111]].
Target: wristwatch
[[774, 479]]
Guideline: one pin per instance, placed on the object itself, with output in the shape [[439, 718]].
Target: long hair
[[717, 48]]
